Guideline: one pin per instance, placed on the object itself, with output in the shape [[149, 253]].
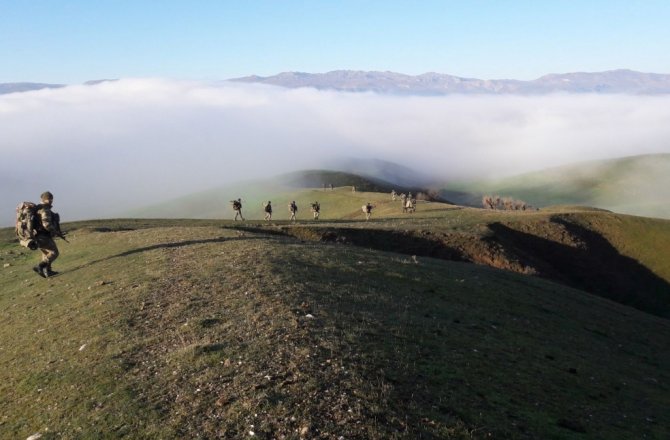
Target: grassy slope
[[633, 185], [620, 257], [215, 203], [179, 328]]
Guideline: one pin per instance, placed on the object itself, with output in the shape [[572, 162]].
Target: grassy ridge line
[[215, 203], [619, 257], [573, 245], [632, 185], [339, 203], [206, 331]]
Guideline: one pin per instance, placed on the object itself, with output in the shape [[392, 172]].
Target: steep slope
[[635, 185], [619, 257], [156, 330]]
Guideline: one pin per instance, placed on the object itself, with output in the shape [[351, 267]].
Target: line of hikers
[[408, 202], [37, 225], [267, 208], [292, 209]]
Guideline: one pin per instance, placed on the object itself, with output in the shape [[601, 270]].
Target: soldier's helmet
[[47, 196]]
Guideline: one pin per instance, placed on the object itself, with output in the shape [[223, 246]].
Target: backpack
[[268, 208], [27, 224], [237, 205]]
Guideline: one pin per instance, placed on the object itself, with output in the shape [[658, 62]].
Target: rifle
[[61, 235], [56, 225]]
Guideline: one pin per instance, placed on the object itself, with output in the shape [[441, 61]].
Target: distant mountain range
[[18, 87], [614, 81], [6, 88]]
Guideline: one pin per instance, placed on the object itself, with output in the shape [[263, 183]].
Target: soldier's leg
[[49, 250]]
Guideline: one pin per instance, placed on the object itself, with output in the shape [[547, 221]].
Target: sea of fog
[[106, 148]]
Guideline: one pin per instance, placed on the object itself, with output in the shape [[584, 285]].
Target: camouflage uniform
[[44, 237]]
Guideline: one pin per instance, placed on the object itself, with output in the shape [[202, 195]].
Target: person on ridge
[[237, 207], [47, 227], [316, 210], [293, 209], [268, 210], [367, 210]]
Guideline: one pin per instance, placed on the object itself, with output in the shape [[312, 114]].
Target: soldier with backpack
[[316, 210], [367, 210], [36, 227], [268, 210], [293, 209], [237, 207]]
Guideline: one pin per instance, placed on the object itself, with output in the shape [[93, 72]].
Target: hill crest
[[635, 185], [178, 329]]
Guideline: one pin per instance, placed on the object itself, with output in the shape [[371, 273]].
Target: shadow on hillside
[[381, 240], [170, 245], [597, 267]]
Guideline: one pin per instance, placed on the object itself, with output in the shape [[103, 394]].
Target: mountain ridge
[[431, 83], [633, 185]]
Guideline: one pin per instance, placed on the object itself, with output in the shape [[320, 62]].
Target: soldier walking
[[47, 226], [367, 209], [268, 210], [237, 207], [316, 210], [403, 199], [293, 209]]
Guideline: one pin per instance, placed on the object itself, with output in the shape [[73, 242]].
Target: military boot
[[49, 272], [41, 270]]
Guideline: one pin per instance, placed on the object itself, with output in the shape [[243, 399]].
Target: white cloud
[[123, 144]]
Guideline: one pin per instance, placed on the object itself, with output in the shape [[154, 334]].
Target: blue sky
[[74, 41]]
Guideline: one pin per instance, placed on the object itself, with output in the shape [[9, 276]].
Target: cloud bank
[[114, 146]]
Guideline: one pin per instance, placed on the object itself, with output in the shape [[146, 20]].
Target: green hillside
[[304, 187], [635, 185], [341, 328]]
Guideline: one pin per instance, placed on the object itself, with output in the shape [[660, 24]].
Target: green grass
[[303, 186], [187, 328], [633, 185]]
